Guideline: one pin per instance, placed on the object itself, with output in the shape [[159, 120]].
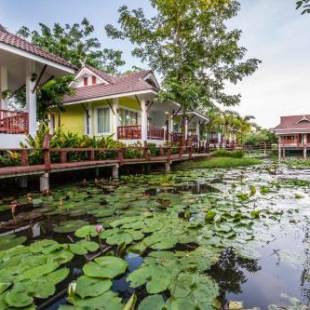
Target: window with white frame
[[128, 118], [103, 120]]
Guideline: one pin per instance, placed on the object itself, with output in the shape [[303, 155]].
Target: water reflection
[[229, 272]]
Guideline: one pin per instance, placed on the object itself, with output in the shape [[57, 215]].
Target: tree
[[49, 96], [304, 5], [188, 43], [76, 44]]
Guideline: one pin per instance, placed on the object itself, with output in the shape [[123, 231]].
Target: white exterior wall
[[9, 141]]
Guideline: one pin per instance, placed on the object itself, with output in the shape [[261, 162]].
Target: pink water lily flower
[[99, 228]]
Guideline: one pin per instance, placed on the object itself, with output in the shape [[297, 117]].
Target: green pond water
[[195, 239]]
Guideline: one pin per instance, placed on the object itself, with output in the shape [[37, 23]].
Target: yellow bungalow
[[123, 107]]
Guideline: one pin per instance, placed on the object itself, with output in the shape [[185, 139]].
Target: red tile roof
[[17, 42], [293, 124], [107, 77], [129, 83]]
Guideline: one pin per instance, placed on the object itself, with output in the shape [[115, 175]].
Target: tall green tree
[[188, 43], [75, 43], [303, 5]]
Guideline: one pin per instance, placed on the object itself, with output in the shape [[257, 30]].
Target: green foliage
[[260, 137], [230, 122], [232, 154], [32, 272], [189, 44], [106, 267], [76, 44], [304, 5], [220, 162], [9, 158]]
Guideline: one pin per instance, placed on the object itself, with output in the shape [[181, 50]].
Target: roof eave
[[119, 95], [31, 56]]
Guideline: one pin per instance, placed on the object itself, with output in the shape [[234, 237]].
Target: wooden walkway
[[49, 167]]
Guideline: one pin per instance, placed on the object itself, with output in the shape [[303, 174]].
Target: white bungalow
[[23, 64]]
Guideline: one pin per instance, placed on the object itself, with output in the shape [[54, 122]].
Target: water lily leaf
[[106, 301], [83, 247], [61, 257], [4, 286], [11, 241], [41, 288], [154, 302], [45, 246], [69, 226], [38, 271], [57, 276], [18, 297], [86, 231], [105, 267], [180, 304], [91, 287], [156, 278]]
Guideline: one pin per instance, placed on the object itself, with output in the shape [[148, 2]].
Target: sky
[[273, 31]]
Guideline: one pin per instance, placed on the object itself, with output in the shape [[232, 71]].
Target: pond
[[198, 239]]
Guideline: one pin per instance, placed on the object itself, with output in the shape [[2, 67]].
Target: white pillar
[[198, 131], [115, 172], [3, 87], [279, 148], [115, 121], [45, 183], [168, 167], [91, 119], [219, 139], [143, 120], [31, 98], [186, 128]]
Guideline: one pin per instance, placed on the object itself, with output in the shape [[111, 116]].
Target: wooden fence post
[[120, 155], [24, 157], [92, 155], [161, 150], [190, 153], [63, 156], [46, 152], [146, 151]]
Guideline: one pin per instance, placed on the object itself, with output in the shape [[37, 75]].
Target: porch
[[134, 132], [14, 122]]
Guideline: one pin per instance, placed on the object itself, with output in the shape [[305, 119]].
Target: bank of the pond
[[193, 239], [220, 162]]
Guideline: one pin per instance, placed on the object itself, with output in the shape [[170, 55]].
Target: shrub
[[225, 153]]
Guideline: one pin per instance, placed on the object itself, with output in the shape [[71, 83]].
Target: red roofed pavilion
[[294, 134]]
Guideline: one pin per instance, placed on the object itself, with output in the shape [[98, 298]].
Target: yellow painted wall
[[129, 102], [72, 119]]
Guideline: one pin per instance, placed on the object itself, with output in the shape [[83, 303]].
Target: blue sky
[[272, 31]]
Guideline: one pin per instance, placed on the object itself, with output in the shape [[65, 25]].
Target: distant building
[[294, 134]]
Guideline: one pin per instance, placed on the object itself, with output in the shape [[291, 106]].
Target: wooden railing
[[12, 122], [129, 132], [154, 133], [63, 158], [176, 137]]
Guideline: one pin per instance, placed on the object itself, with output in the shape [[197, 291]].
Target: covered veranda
[[23, 66]]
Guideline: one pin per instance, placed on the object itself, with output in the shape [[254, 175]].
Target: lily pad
[[107, 267], [154, 302], [91, 287], [69, 226]]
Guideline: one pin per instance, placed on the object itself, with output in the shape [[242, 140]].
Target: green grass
[[225, 153], [220, 162]]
